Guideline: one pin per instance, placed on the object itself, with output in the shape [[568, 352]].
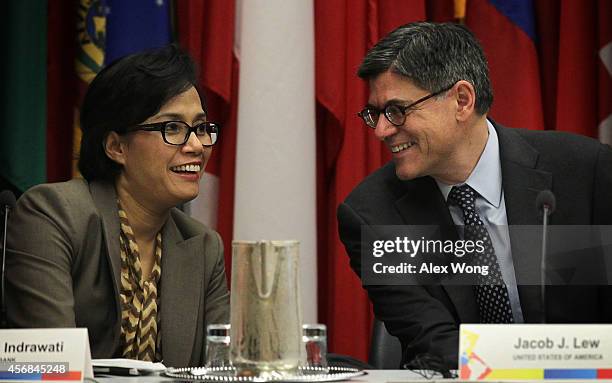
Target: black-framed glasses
[[395, 114], [178, 132]]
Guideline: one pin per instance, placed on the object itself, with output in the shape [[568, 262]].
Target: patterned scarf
[[140, 319]]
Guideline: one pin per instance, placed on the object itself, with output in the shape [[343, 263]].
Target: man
[[429, 97]]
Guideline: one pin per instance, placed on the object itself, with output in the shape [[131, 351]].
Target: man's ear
[[466, 100], [115, 148]]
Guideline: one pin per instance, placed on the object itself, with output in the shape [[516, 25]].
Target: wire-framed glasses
[[178, 132], [395, 114]]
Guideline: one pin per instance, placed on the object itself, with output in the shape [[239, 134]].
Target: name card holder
[[535, 351], [58, 354]]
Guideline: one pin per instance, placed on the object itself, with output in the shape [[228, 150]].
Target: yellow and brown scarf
[[140, 301]]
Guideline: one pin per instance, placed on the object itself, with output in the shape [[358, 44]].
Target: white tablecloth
[[379, 376]]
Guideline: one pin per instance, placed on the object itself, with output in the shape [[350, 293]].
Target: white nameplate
[[535, 351], [60, 354]]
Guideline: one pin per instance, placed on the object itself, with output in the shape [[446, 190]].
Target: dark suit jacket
[[426, 318], [63, 270]]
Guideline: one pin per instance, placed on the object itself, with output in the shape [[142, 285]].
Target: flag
[[577, 69], [347, 152], [133, 26], [206, 31], [275, 146], [23, 95], [604, 64], [91, 36], [61, 88], [506, 30], [110, 29], [547, 22]]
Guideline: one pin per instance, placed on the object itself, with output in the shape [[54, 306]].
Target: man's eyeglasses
[[178, 132], [395, 114]]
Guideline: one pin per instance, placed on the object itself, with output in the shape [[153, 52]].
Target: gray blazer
[[63, 270]]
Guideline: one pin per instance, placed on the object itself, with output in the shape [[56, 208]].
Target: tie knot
[[463, 196]]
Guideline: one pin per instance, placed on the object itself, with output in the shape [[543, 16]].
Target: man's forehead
[[389, 86]]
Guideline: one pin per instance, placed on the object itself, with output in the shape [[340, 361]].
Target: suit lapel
[[181, 289], [105, 200], [424, 204], [522, 181]]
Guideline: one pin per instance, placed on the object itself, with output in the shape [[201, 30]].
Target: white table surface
[[372, 376], [378, 376]]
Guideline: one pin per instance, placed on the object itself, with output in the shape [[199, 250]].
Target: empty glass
[[217, 345]]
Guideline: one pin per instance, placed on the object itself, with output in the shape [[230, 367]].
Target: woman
[[110, 252]]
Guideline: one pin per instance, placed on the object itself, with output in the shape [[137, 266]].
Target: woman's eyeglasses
[[178, 132]]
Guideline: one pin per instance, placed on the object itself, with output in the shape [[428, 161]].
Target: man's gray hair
[[433, 56]]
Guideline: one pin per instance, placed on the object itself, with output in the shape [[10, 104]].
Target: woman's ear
[[466, 100], [115, 148]]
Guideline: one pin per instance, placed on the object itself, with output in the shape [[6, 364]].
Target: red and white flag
[[259, 79], [275, 195]]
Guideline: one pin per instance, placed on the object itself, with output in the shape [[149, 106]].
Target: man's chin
[[406, 173], [408, 168], [406, 176]]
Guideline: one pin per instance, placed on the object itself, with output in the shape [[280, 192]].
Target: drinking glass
[[314, 338], [217, 345]]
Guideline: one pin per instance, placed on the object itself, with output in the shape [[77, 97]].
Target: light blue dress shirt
[[486, 179]]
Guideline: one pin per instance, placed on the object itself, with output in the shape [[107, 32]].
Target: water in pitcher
[[266, 321]]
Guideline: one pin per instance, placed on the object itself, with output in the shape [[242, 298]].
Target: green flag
[[23, 75]]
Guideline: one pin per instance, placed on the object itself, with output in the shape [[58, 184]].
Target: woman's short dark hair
[[126, 93]]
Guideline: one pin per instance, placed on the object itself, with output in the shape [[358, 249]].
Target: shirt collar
[[486, 178]]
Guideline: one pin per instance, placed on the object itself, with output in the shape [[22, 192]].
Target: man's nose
[[384, 128]]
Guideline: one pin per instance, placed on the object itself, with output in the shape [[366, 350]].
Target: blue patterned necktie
[[491, 292]]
